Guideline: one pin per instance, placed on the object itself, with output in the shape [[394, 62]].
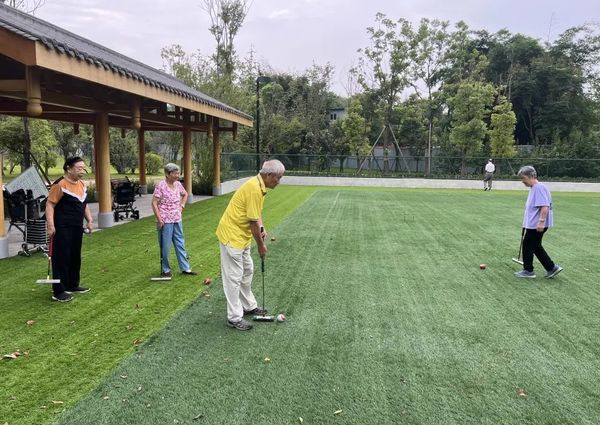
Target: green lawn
[[390, 320]]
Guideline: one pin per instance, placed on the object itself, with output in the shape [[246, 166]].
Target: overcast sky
[[290, 35]]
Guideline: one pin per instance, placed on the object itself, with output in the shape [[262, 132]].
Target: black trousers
[[66, 258], [532, 245]]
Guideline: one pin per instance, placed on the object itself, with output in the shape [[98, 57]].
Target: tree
[[383, 69], [354, 132], [227, 17], [123, 151], [502, 129], [470, 107], [429, 56], [67, 141], [27, 6]]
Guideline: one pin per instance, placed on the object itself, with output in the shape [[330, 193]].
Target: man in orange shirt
[[65, 210]]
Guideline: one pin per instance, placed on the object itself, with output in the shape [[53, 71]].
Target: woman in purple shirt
[[168, 201], [537, 220]]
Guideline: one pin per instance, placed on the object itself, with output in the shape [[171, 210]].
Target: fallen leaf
[[105, 397], [129, 327], [137, 341], [58, 402], [300, 420], [521, 392], [140, 388], [124, 376], [207, 280], [200, 416], [267, 360], [337, 412], [13, 355], [30, 322], [12, 397]]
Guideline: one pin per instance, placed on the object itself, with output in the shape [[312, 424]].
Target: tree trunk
[[26, 145]]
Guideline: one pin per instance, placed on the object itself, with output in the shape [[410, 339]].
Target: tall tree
[[470, 106], [502, 129], [384, 66], [227, 17], [429, 56], [27, 6]]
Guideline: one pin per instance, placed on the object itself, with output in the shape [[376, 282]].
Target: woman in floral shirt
[[168, 202]]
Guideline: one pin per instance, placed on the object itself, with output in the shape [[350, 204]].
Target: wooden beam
[[17, 48], [55, 61], [13, 85]]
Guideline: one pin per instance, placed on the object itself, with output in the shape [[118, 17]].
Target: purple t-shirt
[[539, 196]]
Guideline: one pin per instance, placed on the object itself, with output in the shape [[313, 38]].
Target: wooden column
[[3, 238], [34, 92], [142, 161], [187, 162], [103, 189], [216, 160]]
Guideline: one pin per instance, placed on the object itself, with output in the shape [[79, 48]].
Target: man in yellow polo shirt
[[242, 221]]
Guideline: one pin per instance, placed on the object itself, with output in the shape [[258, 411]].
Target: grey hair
[[170, 167], [527, 171], [273, 166]]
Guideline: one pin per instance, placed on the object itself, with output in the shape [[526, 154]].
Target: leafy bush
[[154, 163]]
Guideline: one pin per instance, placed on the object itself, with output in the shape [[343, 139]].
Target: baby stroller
[[124, 192]]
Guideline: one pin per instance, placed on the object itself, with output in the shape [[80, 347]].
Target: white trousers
[[237, 269]]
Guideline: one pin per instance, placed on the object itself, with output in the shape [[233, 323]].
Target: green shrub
[[154, 163]]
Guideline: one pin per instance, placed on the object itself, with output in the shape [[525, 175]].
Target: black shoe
[[63, 297], [78, 290], [258, 311], [166, 274], [189, 273], [240, 325]]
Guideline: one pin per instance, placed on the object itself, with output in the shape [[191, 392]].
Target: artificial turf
[[390, 320]]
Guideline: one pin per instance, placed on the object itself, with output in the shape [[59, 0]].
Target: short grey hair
[[273, 166], [527, 171], [170, 167]]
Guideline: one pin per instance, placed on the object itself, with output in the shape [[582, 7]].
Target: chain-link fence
[[234, 165]]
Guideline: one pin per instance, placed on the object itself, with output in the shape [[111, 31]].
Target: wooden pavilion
[[47, 72]]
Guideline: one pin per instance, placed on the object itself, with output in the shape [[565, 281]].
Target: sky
[[291, 35]]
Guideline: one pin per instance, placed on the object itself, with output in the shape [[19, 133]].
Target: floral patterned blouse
[[169, 204]]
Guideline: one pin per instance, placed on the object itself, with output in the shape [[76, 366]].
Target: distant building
[[337, 114]]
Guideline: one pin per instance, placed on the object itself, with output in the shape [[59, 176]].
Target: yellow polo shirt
[[245, 206]]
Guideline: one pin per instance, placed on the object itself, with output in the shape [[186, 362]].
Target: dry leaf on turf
[[207, 280], [30, 322], [105, 397], [521, 392], [137, 341], [267, 360], [12, 355], [300, 420], [337, 412], [200, 416], [58, 402]]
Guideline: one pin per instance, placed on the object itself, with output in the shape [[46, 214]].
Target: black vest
[[69, 211]]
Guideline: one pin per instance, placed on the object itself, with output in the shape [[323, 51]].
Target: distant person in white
[[490, 168]]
